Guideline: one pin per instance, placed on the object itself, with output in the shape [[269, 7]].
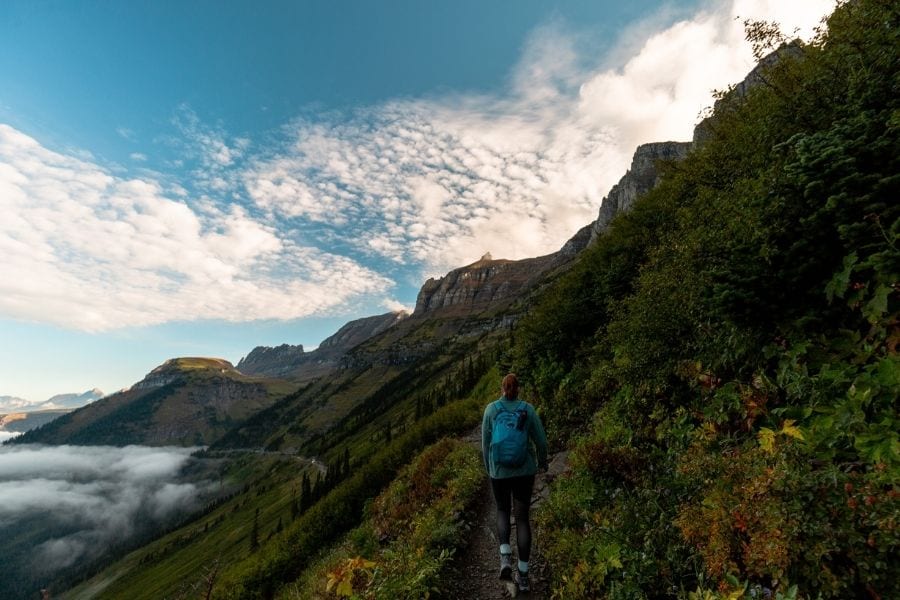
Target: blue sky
[[198, 178]]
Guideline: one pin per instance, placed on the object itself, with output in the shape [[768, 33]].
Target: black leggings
[[519, 488]]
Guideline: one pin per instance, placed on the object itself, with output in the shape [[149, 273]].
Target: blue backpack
[[509, 438]]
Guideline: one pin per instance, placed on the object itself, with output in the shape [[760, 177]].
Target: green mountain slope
[[295, 508], [186, 402]]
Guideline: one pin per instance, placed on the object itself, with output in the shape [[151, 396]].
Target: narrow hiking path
[[473, 574]]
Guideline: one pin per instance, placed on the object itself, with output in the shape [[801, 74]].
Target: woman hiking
[[514, 447]]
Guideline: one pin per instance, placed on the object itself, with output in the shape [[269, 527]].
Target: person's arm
[[540, 439], [486, 438]]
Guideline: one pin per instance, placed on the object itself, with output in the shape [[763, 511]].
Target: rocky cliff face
[[483, 283], [177, 370], [637, 181], [356, 332], [488, 281], [293, 362], [266, 361], [644, 172], [478, 284]]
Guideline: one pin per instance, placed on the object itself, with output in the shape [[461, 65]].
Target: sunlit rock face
[[642, 177], [481, 283], [271, 362]]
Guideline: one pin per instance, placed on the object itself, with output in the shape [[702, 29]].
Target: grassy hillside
[[298, 509], [404, 545], [22, 422]]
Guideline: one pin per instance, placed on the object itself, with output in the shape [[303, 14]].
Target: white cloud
[[94, 495], [214, 155], [430, 182], [438, 182], [126, 133], [138, 157], [396, 306], [86, 249], [8, 435]]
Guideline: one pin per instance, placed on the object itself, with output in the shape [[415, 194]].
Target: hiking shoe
[[506, 566], [522, 581]]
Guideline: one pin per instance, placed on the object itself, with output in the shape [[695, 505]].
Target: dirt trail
[[473, 575]]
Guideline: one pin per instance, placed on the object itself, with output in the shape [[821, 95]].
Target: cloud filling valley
[[97, 495]]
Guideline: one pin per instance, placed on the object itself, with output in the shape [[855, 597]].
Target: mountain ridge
[[198, 400], [291, 361], [185, 401], [72, 400]]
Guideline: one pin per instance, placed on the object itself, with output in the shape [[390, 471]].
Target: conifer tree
[[295, 504], [306, 497], [254, 532]]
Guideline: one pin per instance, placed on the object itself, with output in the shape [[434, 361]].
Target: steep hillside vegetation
[[262, 537], [727, 351]]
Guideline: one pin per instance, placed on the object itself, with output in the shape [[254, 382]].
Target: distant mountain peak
[[272, 361], [190, 363], [176, 369], [9, 404], [287, 360], [68, 401]]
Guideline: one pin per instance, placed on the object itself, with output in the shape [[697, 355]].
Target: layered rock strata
[[642, 177], [267, 361], [292, 361]]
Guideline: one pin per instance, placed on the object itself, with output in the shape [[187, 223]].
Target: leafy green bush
[[743, 370]]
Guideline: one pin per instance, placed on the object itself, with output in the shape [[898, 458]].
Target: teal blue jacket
[[537, 451]]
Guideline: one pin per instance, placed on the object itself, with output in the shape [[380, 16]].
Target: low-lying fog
[[7, 435], [92, 495]]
